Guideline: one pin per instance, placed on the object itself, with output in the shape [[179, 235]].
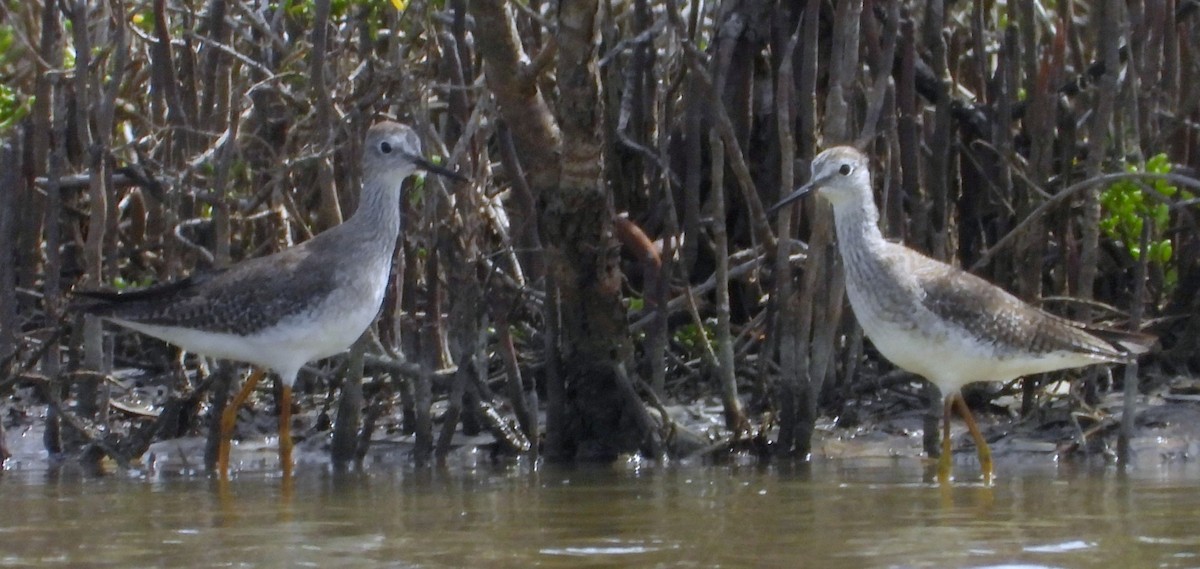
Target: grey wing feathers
[[242, 299], [99, 301], [1132, 343], [1008, 323]]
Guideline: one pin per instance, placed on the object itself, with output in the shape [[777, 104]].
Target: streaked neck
[[378, 212], [857, 225]]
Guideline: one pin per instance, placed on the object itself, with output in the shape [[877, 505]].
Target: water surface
[[833, 513]]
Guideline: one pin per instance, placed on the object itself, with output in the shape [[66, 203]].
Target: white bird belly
[[328, 329]]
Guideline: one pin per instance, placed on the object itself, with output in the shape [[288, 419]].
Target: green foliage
[[416, 190], [12, 107], [691, 336], [144, 20], [304, 9], [1127, 205], [636, 303], [6, 42], [120, 283]]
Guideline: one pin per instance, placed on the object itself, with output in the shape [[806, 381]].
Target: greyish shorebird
[[281, 311], [940, 322]]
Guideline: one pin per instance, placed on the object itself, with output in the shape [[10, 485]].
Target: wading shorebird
[[938, 321], [281, 311]]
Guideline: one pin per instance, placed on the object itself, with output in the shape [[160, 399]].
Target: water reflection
[[829, 514]]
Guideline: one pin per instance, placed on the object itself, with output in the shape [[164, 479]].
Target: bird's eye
[[385, 147], [845, 170]]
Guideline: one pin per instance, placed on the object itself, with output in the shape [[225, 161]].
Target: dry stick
[[1129, 405], [824, 284], [534, 137], [250, 16], [749, 338], [379, 403], [793, 319], [430, 350], [82, 429], [345, 445], [105, 119], [495, 421], [1129, 122], [525, 234], [13, 371], [5, 454], [724, 125], [938, 175], [1110, 37], [1026, 14], [453, 413], [88, 391], [785, 316], [217, 46], [657, 335], [330, 212], [453, 256], [163, 68], [1002, 139], [908, 148], [876, 99], [1172, 75], [843, 64], [1065, 194], [223, 158], [27, 243], [556, 396], [166, 101], [670, 430], [879, 89], [633, 74], [387, 363], [679, 302], [693, 114], [735, 420], [652, 446], [457, 241], [707, 353], [75, 182], [526, 413], [10, 168], [217, 30], [52, 299], [982, 55], [1041, 116]]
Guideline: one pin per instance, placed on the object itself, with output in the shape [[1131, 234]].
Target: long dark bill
[[799, 193], [434, 168]]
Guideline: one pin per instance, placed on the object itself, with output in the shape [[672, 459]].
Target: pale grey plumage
[[953, 317], [936, 320], [303, 303]]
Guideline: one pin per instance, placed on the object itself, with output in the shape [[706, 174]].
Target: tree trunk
[[602, 416]]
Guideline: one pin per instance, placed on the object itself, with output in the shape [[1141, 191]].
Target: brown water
[[834, 513]]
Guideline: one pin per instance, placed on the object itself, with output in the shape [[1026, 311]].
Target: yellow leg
[[981, 446], [229, 419], [285, 431], [943, 468]]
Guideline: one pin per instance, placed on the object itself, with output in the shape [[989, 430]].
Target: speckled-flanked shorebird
[[284, 310], [938, 321]]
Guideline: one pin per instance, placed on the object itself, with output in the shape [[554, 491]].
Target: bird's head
[[841, 175], [393, 150]]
